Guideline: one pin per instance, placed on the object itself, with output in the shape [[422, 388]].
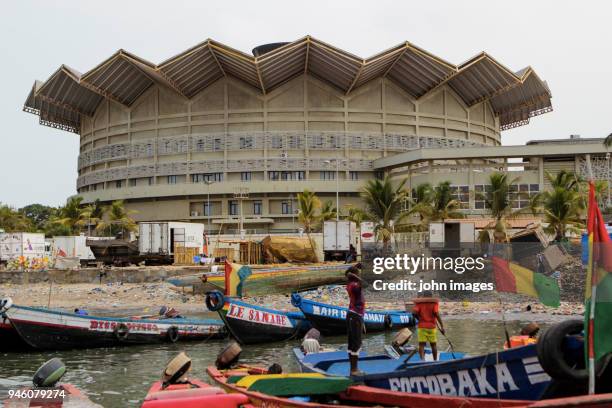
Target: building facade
[[217, 136]]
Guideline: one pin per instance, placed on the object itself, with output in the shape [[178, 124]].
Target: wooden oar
[[447, 339]]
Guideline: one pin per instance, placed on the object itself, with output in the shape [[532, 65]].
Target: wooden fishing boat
[[337, 363], [57, 330], [331, 320], [250, 324], [266, 279], [10, 340], [509, 374], [316, 390]]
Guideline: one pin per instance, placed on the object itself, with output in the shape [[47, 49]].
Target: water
[[120, 377]]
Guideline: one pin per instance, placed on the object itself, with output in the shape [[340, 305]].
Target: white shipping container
[[160, 237], [72, 246], [16, 244], [339, 235]]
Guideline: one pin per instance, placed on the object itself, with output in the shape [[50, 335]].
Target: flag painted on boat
[[513, 278], [235, 275], [599, 283]]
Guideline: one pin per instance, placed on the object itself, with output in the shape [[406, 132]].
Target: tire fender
[[215, 300], [551, 355], [172, 334], [296, 299], [121, 331]]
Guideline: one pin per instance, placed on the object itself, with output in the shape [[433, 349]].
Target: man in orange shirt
[[426, 310]]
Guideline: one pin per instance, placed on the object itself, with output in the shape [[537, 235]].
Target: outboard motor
[[176, 370], [401, 338], [229, 356], [49, 374], [5, 304]]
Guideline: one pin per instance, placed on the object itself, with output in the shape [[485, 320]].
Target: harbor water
[[120, 377]]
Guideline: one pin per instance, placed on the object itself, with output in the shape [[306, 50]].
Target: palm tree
[[72, 215], [436, 204], [328, 211], [497, 201], [356, 215], [562, 212], [119, 219], [94, 213], [562, 205], [383, 205], [308, 206]]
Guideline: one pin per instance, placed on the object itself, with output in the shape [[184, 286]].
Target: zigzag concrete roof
[[123, 77]]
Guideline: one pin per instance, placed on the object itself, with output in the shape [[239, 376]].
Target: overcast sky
[[568, 45]]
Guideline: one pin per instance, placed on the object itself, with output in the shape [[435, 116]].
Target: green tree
[[94, 213], [328, 211], [12, 220], [72, 215], [117, 220], [498, 203], [608, 140], [561, 206], [436, 204], [383, 205], [356, 215], [38, 214], [308, 207]]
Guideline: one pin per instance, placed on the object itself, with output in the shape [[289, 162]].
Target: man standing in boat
[[354, 317], [427, 312]]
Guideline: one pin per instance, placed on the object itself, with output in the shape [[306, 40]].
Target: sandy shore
[[147, 298]]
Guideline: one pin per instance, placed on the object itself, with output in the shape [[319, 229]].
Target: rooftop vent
[[266, 48]]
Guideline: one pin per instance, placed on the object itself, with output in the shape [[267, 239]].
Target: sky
[[567, 43]]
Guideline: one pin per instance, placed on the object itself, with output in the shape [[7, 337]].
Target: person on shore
[[354, 317], [427, 312], [352, 254]]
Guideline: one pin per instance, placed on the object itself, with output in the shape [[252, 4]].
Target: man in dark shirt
[[354, 317]]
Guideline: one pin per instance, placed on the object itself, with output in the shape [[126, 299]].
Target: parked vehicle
[[74, 247], [160, 238], [338, 236]]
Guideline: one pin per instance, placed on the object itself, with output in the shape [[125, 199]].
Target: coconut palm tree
[[72, 215], [118, 219], [356, 215], [436, 204], [383, 205], [328, 211], [497, 201], [561, 210], [308, 207], [561, 206], [94, 213]]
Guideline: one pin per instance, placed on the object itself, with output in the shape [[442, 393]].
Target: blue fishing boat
[[250, 324], [510, 374], [337, 363], [331, 320]]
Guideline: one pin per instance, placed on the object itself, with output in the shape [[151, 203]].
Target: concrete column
[[541, 172], [471, 188]]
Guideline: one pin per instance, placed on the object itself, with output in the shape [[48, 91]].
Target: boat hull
[[9, 338], [55, 330], [510, 374], [251, 324], [280, 279], [330, 320]]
